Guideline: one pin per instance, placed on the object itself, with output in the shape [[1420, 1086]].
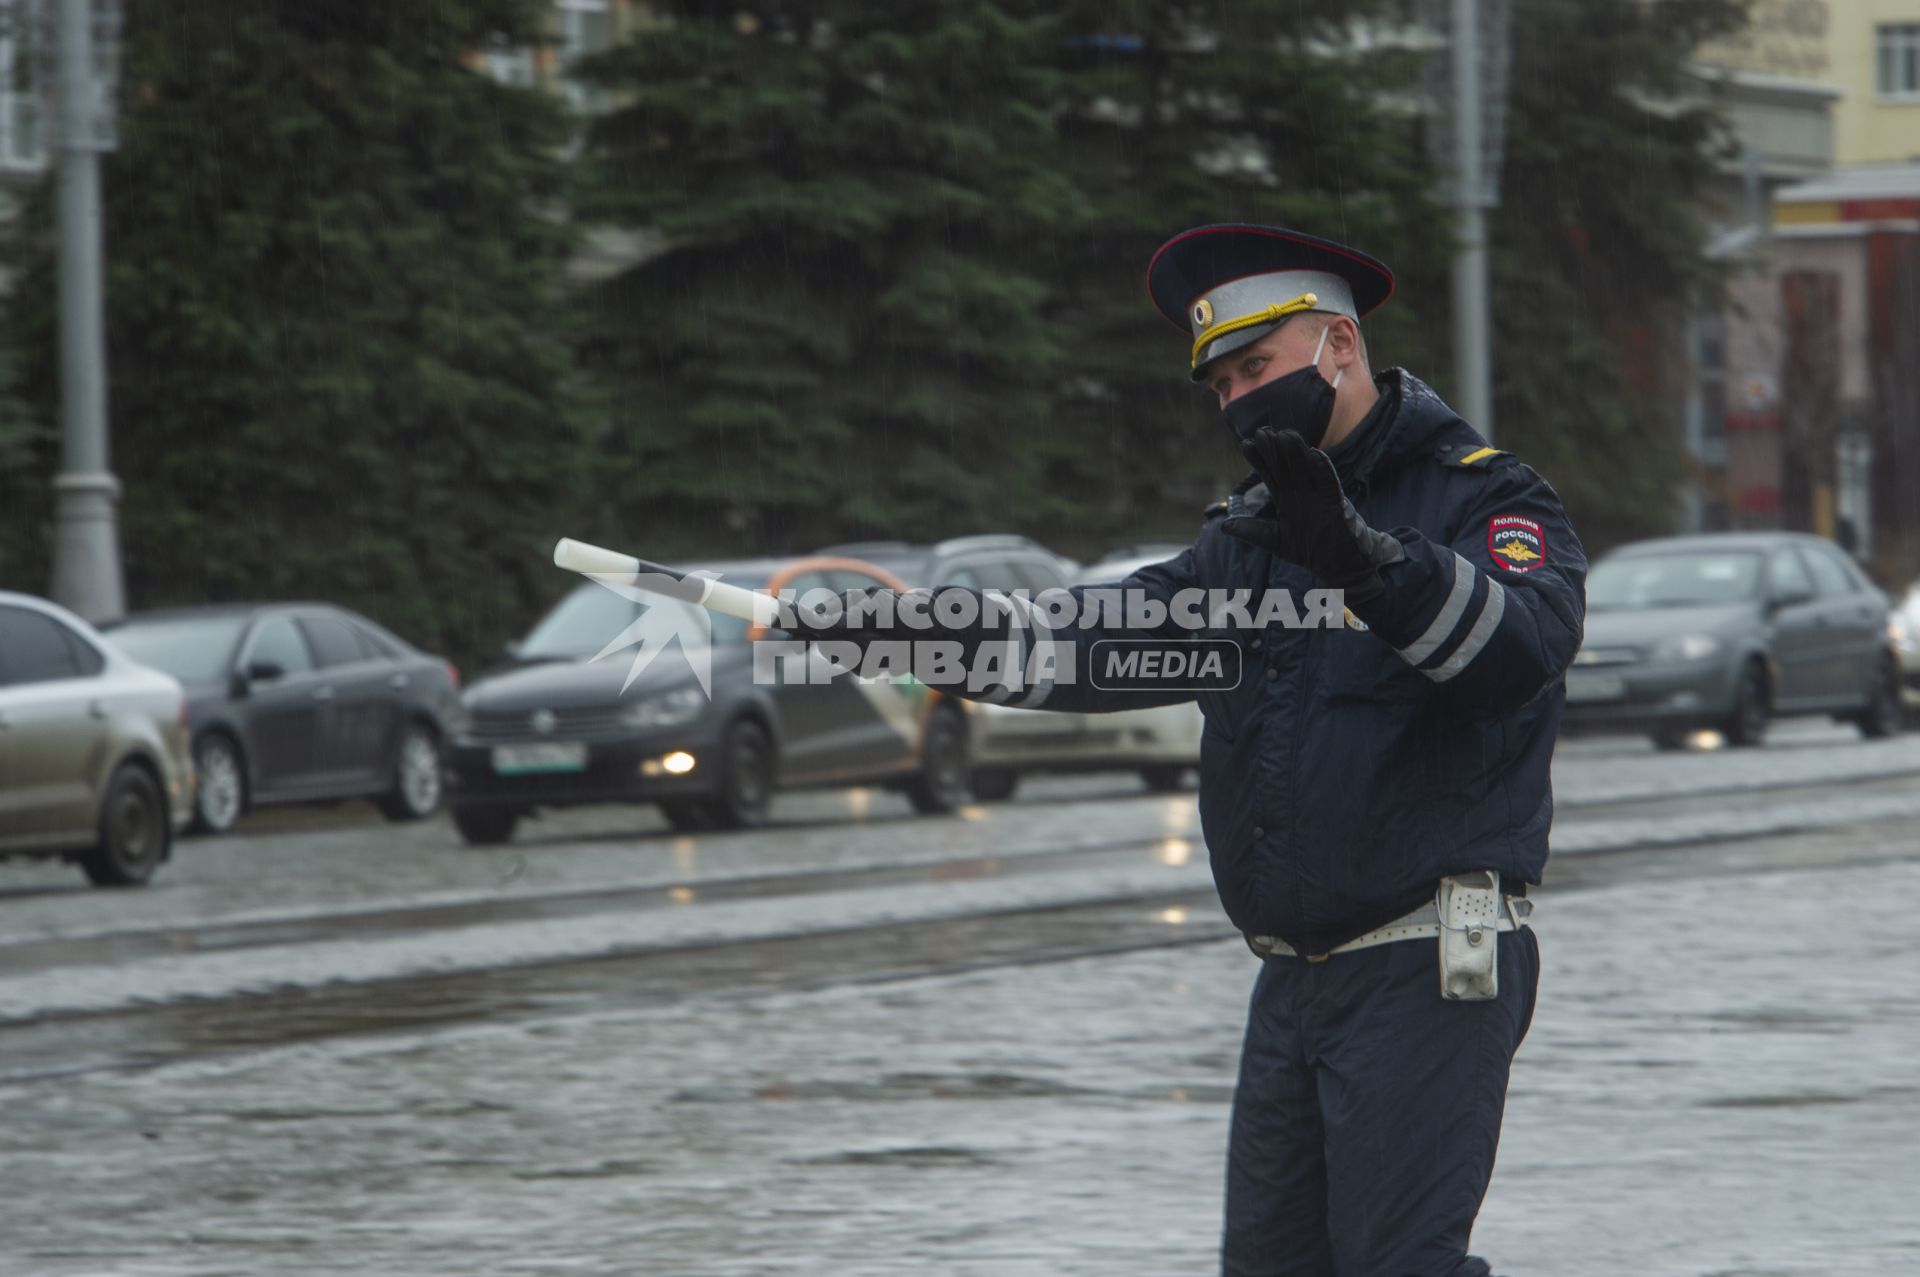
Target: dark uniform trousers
[[1367, 1113]]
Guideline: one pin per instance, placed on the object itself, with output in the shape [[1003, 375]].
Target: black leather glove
[[1310, 521]]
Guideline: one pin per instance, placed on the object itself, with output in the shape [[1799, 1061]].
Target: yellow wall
[[1831, 41], [1866, 130]]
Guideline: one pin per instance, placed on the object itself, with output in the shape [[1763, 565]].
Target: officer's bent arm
[[1044, 662], [1495, 617]]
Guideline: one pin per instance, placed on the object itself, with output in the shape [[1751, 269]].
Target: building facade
[[1868, 50], [1806, 400]]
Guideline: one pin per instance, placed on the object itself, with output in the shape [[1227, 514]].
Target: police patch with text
[[1517, 544]]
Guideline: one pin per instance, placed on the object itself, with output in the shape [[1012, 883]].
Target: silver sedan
[[94, 763], [1727, 631]]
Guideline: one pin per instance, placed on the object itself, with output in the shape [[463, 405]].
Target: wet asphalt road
[[865, 1043]]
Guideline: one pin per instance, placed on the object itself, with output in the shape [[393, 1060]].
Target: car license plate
[[547, 756], [1594, 685]]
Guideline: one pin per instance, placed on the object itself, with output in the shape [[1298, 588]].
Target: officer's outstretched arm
[[1036, 652], [1495, 617]]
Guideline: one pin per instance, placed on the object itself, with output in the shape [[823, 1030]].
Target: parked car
[[1162, 744], [1131, 556], [1727, 631], [94, 758], [995, 561], [1903, 628], [301, 702], [560, 728]]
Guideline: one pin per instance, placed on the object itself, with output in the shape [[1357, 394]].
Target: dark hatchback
[[561, 728], [1727, 631], [301, 702]]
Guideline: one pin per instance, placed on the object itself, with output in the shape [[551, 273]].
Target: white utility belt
[[1420, 924]]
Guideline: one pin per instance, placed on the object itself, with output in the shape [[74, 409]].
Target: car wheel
[[134, 833], [688, 814], [943, 782], [485, 826], [222, 791], [416, 776], [1883, 714], [1164, 778], [1747, 725], [994, 784], [746, 787]]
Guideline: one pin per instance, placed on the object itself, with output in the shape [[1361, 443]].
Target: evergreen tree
[[849, 328], [901, 287], [338, 364], [1599, 250], [1182, 114], [25, 445]]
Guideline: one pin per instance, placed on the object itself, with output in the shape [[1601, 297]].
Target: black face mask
[[1301, 401]]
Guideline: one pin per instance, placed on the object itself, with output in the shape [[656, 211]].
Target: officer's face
[[1286, 349]]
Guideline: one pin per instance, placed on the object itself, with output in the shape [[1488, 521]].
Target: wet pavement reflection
[[1036, 1083], [1723, 1099]]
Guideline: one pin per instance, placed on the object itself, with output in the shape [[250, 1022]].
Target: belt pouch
[[1469, 909]]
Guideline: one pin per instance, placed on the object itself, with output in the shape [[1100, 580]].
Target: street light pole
[[86, 553], [1471, 359]]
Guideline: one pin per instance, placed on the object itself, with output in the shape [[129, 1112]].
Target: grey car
[[94, 765], [301, 702], [562, 727], [1727, 631]]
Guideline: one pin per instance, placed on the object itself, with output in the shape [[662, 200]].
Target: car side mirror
[[264, 671], [512, 648]]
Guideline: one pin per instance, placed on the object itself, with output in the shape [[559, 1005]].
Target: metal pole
[[86, 554], [1470, 352]]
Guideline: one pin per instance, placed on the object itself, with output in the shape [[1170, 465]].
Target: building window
[[509, 64], [23, 140], [586, 28], [1707, 415], [1897, 53]]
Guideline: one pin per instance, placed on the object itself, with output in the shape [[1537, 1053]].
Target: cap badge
[[1202, 313]]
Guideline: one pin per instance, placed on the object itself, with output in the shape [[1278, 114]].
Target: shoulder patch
[[1516, 543], [1472, 456]]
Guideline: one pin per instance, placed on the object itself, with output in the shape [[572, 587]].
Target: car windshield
[[1679, 579], [192, 649], [584, 622]]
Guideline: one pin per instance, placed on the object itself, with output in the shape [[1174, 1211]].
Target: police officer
[[1375, 796]]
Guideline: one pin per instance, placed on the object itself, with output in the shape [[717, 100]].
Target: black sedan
[[1728, 630], [301, 702], [606, 704]]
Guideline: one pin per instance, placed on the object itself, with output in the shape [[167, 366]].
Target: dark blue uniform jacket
[[1352, 768]]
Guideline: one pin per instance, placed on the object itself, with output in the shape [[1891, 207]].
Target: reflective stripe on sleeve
[[1476, 638], [1037, 645], [1450, 612]]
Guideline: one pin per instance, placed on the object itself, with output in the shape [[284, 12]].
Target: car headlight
[[1901, 635], [669, 709], [1689, 647]]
